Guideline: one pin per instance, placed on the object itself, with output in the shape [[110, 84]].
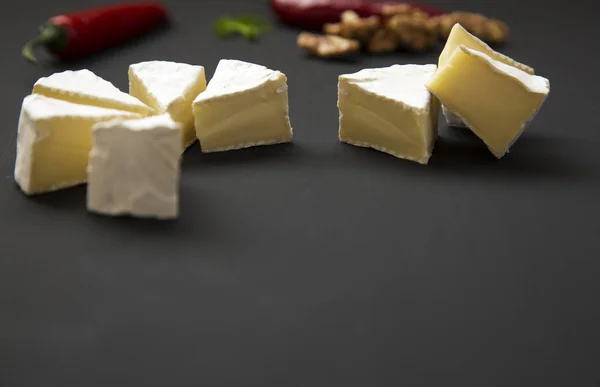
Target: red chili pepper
[[313, 14], [82, 33]]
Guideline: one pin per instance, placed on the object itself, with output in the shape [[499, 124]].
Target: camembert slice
[[389, 109], [169, 87], [243, 105], [54, 141], [86, 88], [460, 36], [495, 100], [134, 168]]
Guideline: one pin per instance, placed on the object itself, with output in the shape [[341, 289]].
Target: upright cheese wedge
[[244, 105], [169, 87], [134, 168], [460, 36], [54, 140], [495, 100], [86, 88], [389, 109]]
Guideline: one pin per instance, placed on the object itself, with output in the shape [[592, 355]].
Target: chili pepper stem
[[50, 36], [29, 48]]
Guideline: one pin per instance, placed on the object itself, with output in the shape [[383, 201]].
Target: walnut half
[[327, 46], [353, 27], [383, 41], [488, 30], [414, 31]]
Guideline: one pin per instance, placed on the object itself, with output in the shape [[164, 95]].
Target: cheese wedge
[[243, 105], [495, 100], [460, 36], [86, 88], [390, 110], [169, 87], [54, 140], [134, 168]]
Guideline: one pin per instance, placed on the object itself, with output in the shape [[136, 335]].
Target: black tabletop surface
[[317, 263]]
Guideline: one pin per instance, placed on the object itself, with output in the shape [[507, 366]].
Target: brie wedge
[[86, 88], [243, 105], [54, 140], [495, 100], [460, 36], [389, 109], [134, 168], [169, 87]]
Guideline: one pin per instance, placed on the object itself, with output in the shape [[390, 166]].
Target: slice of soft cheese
[[460, 36], [54, 140], [389, 109], [169, 87], [496, 101], [86, 88], [134, 168], [244, 105]]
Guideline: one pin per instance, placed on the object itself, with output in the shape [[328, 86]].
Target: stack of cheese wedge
[[395, 109], [76, 127]]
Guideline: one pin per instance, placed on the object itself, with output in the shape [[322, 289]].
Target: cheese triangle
[[460, 36], [169, 87], [244, 105], [495, 100], [389, 109], [235, 76], [134, 168], [86, 88], [54, 140]]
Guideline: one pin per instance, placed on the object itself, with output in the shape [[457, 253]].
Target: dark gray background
[[318, 263]]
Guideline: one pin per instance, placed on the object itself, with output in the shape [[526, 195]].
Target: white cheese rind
[[390, 110], [243, 105], [533, 83], [53, 142], [169, 87], [134, 168], [403, 83], [234, 76], [167, 82], [460, 36], [85, 87]]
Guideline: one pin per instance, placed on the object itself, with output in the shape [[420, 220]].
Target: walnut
[[489, 30], [497, 32], [327, 46], [333, 29], [396, 9], [414, 29], [400, 26], [383, 41], [353, 27], [405, 9], [415, 32], [420, 15]]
